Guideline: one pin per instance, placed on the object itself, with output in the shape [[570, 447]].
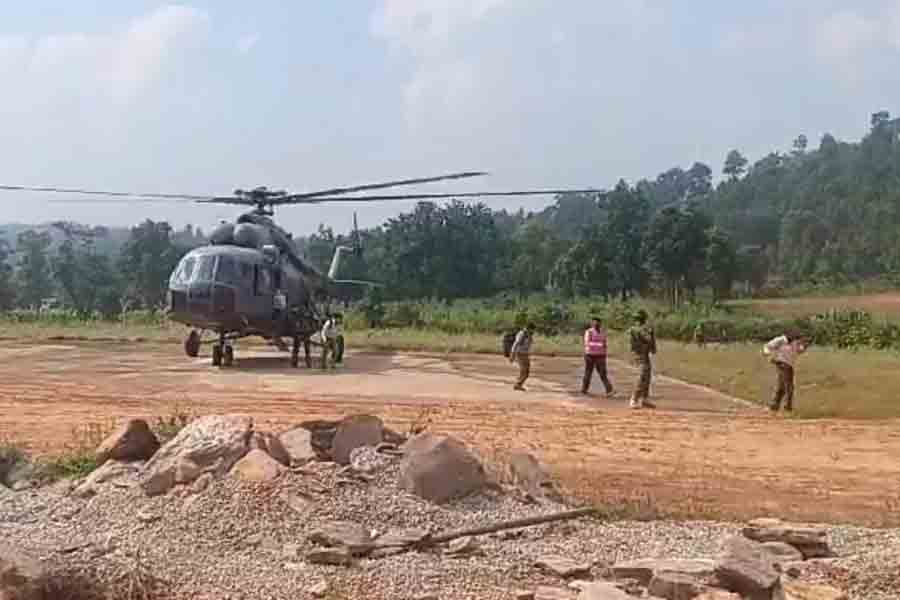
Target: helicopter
[[251, 280]]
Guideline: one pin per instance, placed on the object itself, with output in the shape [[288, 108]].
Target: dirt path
[[699, 452]]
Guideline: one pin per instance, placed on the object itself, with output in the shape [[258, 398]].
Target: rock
[[21, 485], [21, 575], [147, 516], [527, 472], [717, 595], [290, 552], [675, 586], [603, 591], [392, 437], [551, 593], [783, 554], [339, 557], [399, 538], [201, 483], [368, 460], [297, 443], [643, 570], [427, 596], [111, 471], [464, 546], [439, 468], [132, 441], [352, 536], [523, 595], [796, 590], [271, 445], [386, 552], [14, 466], [210, 444], [319, 590], [354, 432], [562, 567], [747, 569], [810, 540], [321, 436], [296, 502], [257, 466]]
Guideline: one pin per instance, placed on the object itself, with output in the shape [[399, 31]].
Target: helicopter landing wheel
[[192, 344], [217, 355], [228, 356]]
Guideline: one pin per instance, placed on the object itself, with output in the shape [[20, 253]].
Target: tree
[[735, 165], [34, 274], [629, 214], [147, 260], [584, 269], [800, 144], [86, 275], [675, 246], [721, 264], [7, 286]]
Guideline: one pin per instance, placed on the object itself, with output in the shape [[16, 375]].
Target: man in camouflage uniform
[[643, 344], [521, 353]]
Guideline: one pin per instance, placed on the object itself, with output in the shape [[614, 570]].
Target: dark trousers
[[592, 363], [785, 387]]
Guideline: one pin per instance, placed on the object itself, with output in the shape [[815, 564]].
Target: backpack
[[508, 341]]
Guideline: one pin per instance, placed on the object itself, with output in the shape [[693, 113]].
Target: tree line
[[827, 215]]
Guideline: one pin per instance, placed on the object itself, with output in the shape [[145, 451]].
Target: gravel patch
[[242, 541]]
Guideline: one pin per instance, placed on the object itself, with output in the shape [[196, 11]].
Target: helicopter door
[[263, 291]]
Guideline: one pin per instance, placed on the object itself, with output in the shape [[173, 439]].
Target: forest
[[822, 216]]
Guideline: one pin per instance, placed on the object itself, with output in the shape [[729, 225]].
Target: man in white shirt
[[329, 336], [782, 352]]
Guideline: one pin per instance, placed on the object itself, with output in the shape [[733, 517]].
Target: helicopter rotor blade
[[377, 186], [384, 197], [132, 195]]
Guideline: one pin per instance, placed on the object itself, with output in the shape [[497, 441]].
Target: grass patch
[[883, 305]]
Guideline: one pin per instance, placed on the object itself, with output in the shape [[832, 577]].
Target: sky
[[209, 96]]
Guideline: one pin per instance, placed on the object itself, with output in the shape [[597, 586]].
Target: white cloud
[[247, 43], [844, 34]]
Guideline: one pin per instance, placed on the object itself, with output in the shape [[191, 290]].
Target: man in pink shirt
[[595, 357]]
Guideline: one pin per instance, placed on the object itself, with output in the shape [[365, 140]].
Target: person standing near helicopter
[[329, 340]]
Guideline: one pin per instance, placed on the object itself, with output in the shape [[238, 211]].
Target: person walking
[[329, 335], [643, 344], [521, 353], [782, 352], [595, 350]]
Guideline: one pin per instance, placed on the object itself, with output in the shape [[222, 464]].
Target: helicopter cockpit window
[[227, 270], [185, 270], [205, 267]]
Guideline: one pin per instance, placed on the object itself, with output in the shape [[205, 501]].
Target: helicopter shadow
[[359, 363]]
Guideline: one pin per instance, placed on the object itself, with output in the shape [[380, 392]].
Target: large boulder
[[132, 441], [271, 445], [258, 467], [783, 554], [810, 540], [111, 471], [439, 468], [675, 586], [643, 570], [21, 575], [343, 534], [297, 442], [602, 591], [797, 590], [747, 569], [14, 466], [211, 444], [529, 474], [562, 566], [355, 432]]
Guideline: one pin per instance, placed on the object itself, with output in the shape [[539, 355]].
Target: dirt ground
[[699, 453]]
